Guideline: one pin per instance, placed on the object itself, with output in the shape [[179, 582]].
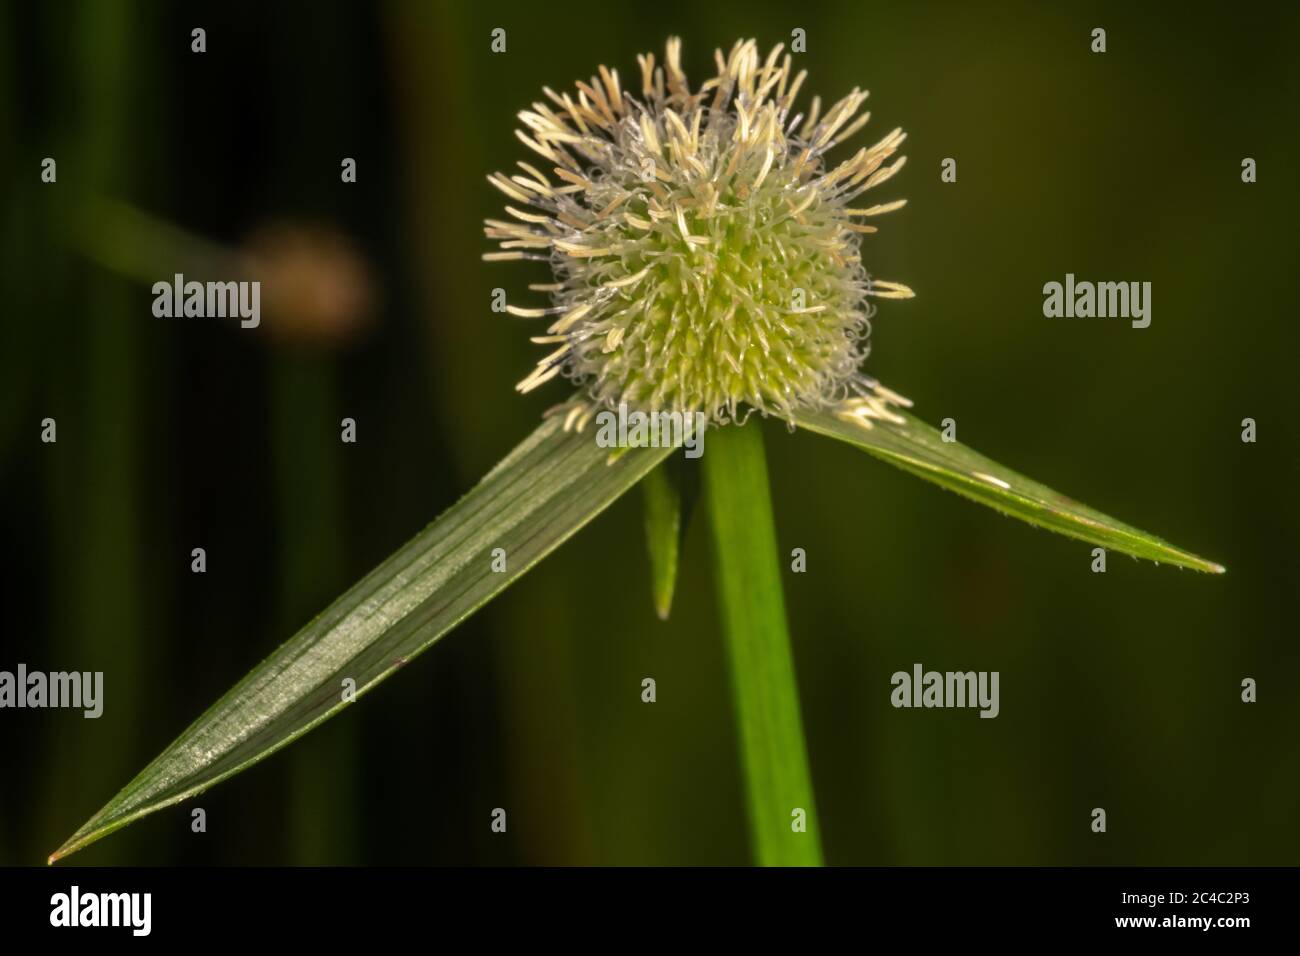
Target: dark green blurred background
[[1119, 690]]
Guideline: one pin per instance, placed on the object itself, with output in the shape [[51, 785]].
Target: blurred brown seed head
[[318, 290]]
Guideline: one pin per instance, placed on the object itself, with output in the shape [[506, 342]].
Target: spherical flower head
[[706, 256]]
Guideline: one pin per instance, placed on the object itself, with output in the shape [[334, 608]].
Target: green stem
[[774, 758]]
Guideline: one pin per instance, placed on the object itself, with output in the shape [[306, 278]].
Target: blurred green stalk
[[322, 800], [96, 513], [766, 696]]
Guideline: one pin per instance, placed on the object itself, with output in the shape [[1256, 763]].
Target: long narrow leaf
[[670, 493], [663, 525], [916, 447], [530, 503]]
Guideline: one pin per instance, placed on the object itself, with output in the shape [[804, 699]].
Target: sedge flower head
[[706, 255]]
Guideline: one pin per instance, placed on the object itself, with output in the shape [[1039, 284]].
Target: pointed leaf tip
[[914, 446], [671, 491]]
